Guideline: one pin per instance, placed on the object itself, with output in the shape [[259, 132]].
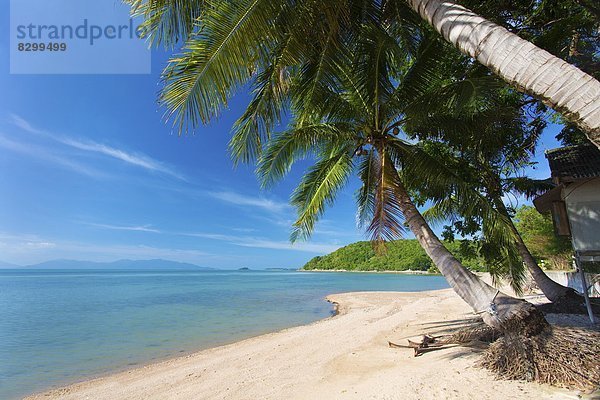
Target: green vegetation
[[400, 255], [537, 231]]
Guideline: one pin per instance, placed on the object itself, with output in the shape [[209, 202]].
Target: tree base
[[560, 356], [516, 316], [571, 303]]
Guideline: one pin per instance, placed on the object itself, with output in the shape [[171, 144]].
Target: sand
[[343, 357]]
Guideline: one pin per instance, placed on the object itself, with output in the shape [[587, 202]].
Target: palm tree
[[228, 40], [558, 84], [296, 57], [491, 161], [349, 121], [342, 62]]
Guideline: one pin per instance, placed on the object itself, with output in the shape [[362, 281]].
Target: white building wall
[[583, 209]]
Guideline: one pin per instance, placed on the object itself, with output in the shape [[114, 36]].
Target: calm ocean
[[60, 326]]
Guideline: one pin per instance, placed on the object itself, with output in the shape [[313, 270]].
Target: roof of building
[[574, 162]]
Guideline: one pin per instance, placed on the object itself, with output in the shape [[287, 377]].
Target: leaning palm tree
[[352, 125], [309, 61], [491, 163], [350, 121], [558, 84], [490, 156], [343, 69], [243, 32]]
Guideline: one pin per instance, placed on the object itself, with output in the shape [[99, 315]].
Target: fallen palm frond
[[477, 332]]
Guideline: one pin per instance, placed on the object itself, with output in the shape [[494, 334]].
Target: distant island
[[400, 255], [119, 264]]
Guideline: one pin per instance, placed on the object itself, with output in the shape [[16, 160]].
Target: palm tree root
[[559, 356]]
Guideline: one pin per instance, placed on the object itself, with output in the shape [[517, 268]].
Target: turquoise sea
[[61, 326]]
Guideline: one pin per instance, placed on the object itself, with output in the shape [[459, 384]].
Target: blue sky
[[90, 171]]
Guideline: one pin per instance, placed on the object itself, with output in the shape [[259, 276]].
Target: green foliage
[[166, 22], [399, 255], [354, 74], [537, 231]]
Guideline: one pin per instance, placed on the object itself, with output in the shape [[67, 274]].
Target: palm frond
[[528, 187], [316, 74], [287, 147], [217, 59], [318, 189], [387, 215], [368, 171], [503, 264], [265, 110], [167, 22]]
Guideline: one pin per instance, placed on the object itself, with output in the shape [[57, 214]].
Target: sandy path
[[345, 357]]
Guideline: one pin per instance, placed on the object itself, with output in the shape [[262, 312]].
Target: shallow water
[[60, 326]]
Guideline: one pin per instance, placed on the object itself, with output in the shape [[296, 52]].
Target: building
[[575, 205], [575, 201]]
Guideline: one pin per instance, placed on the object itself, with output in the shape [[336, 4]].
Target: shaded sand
[[344, 357]]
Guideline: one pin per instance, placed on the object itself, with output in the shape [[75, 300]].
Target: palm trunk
[[530, 69], [554, 291], [497, 309]]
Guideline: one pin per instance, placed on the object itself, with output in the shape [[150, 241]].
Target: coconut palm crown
[[226, 42]]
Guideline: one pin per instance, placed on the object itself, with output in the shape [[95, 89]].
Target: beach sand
[[343, 357]]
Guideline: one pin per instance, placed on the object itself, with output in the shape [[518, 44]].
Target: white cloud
[[40, 245], [17, 243], [114, 252], [142, 228], [43, 154], [243, 200], [25, 249], [21, 123], [257, 242], [136, 159], [243, 229]]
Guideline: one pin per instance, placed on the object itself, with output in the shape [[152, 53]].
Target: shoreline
[[341, 356], [181, 354], [405, 272]]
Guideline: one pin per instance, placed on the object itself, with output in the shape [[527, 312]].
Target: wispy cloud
[[136, 159], [244, 200], [23, 249], [23, 242], [142, 228], [243, 229], [113, 252], [23, 124], [257, 242], [43, 154], [237, 240]]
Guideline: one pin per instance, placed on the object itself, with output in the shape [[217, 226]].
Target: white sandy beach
[[343, 357]]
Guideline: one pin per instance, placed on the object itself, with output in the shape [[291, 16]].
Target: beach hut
[[575, 201]]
